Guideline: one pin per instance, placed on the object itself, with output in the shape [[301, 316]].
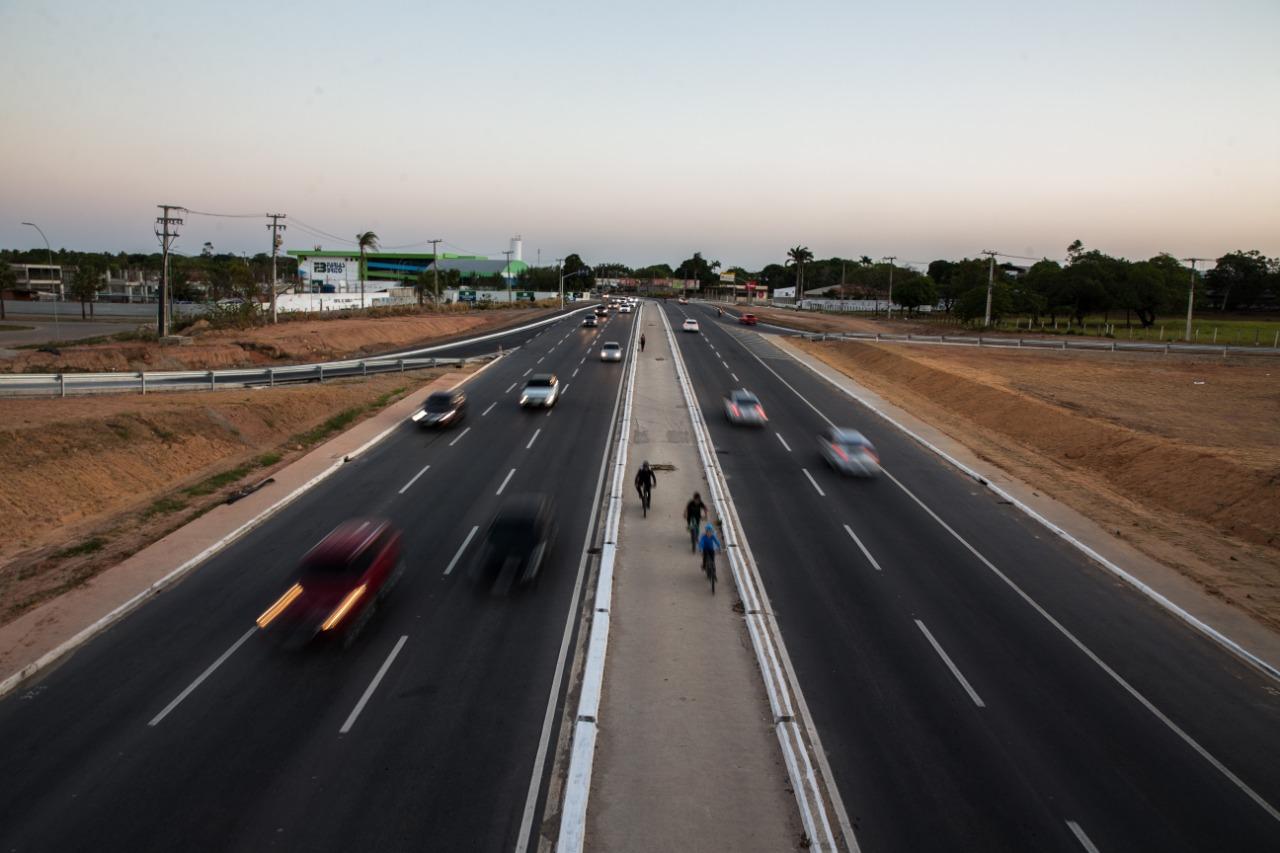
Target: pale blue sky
[[644, 132]]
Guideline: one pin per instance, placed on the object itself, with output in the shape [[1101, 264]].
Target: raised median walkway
[[686, 757]]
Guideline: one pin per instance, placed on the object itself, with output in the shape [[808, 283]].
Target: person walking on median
[[646, 481], [642, 342], [694, 512]]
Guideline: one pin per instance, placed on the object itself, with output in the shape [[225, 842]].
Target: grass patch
[[209, 485], [9, 327], [266, 460], [88, 546], [164, 506], [343, 419]]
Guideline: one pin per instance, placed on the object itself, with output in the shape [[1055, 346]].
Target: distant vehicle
[[849, 452], [540, 391], [747, 319], [442, 409], [590, 321], [682, 301], [515, 546], [690, 325], [602, 310], [611, 351], [742, 407], [338, 584], [625, 308]]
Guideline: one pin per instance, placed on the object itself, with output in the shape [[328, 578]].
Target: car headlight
[[524, 398], [419, 416]]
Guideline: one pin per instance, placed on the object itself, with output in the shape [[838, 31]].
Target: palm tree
[[368, 241], [799, 256]]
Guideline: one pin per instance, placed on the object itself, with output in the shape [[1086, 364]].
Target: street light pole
[[890, 259], [506, 273], [560, 273], [1191, 295], [57, 296]]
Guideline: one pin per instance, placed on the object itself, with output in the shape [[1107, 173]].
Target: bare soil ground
[[1179, 456], [286, 343]]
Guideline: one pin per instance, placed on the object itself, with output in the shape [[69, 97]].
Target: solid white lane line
[[735, 376], [783, 440], [505, 480], [863, 548], [201, 678], [373, 685], [575, 372], [460, 435], [461, 548], [814, 482], [509, 387], [413, 479], [488, 410], [973, 694], [1081, 837], [526, 373], [535, 438]]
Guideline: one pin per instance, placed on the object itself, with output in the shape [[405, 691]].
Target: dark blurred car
[[602, 311], [743, 407], [849, 452], [747, 319], [517, 541], [442, 408], [590, 321], [338, 584]]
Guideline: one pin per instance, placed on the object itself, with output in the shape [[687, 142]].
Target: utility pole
[[560, 273], [163, 225], [991, 283], [435, 268], [1191, 294], [890, 259], [506, 273], [276, 228]]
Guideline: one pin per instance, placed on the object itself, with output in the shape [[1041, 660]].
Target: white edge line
[[582, 754], [414, 479], [506, 480], [201, 678], [459, 436], [1156, 596], [814, 483], [863, 548], [774, 665], [168, 580], [458, 556], [373, 685], [955, 670], [1080, 835]]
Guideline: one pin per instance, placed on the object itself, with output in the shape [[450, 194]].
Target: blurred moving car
[[611, 351], [602, 311], [338, 584], [682, 301], [625, 308], [590, 321], [747, 319], [849, 452], [743, 407], [690, 325], [442, 409], [540, 391], [516, 544]]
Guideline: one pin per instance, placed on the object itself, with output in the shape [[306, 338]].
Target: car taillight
[[875, 457], [279, 607], [736, 413], [343, 608], [840, 452], [760, 412]]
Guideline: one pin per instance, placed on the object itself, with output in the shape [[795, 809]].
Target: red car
[[747, 319], [338, 584]]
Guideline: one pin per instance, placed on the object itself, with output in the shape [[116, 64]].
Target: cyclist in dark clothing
[[646, 481], [694, 511]]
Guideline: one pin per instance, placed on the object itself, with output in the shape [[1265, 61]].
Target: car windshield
[[612, 346], [440, 403], [541, 382], [744, 398], [327, 565]]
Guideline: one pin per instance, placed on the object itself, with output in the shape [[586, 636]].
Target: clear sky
[[642, 132]]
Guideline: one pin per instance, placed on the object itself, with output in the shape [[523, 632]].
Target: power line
[[222, 215]]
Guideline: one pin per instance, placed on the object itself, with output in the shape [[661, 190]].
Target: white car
[[690, 325], [849, 452], [743, 407], [611, 351], [541, 391], [625, 309]]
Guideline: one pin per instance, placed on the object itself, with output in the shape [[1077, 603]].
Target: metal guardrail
[[1043, 343], [63, 384]]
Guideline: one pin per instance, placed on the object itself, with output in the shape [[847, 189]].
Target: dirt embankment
[[88, 481], [1178, 456], [290, 342]]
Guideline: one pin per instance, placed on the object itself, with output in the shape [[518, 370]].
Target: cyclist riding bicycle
[[646, 481], [694, 512], [708, 544]]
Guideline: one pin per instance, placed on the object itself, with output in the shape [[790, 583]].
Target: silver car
[[743, 407], [611, 351], [849, 452], [541, 391]]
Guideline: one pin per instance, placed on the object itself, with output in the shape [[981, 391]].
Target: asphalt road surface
[[276, 750], [975, 682]]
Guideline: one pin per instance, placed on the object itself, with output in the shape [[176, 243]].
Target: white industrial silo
[[517, 246]]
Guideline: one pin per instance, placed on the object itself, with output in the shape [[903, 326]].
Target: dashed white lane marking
[[726, 366], [373, 685], [540, 359], [781, 439], [535, 438], [413, 479], [527, 372], [863, 548], [201, 678], [955, 670], [461, 548], [488, 410], [814, 483], [575, 372], [460, 435], [505, 480], [1078, 832], [735, 376], [566, 389], [509, 387]]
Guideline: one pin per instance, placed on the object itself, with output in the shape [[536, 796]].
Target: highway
[[976, 683], [182, 729]]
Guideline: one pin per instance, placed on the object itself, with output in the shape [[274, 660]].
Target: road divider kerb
[[178, 573], [577, 790], [766, 640]]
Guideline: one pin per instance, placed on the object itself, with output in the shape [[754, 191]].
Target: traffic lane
[[301, 525], [979, 628], [1183, 673]]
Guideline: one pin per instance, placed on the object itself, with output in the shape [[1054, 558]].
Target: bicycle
[[645, 495], [709, 567], [693, 534]]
